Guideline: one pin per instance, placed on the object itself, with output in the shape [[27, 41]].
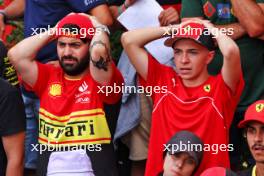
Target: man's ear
[[210, 56]]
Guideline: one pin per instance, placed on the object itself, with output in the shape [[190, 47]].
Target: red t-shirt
[[207, 110], [71, 111]]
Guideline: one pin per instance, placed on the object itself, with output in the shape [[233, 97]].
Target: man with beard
[[71, 118], [254, 133]]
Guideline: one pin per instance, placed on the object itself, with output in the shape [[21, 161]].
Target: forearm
[[29, 47], [235, 30], [140, 37], [250, 16], [231, 70], [100, 53], [15, 9], [226, 45]]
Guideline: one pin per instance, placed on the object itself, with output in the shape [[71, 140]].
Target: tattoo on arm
[[102, 63]]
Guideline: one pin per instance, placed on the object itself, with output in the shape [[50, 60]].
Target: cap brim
[[171, 41], [191, 153], [244, 123]]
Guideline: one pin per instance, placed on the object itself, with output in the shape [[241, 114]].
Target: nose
[[259, 136], [178, 164], [185, 59], [67, 51]]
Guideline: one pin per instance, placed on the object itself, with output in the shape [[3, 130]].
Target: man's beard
[[74, 69]]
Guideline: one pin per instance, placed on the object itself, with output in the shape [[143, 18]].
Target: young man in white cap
[[194, 100], [254, 133]]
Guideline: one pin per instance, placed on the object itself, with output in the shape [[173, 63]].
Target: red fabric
[[206, 110], [71, 111], [255, 112], [8, 28], [175, 6], [84, 23], [49, 75]]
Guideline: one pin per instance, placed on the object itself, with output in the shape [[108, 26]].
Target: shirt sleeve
[[191, 8], [85, 5], [112, 92], [228, 99], [260, 1], [43, 78], [153, 75], [12, 116]]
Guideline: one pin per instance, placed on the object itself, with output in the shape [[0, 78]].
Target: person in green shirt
[[244, 22]]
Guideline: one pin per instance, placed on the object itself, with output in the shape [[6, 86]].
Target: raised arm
[[14, 10], [134, 41], [22, 55], [231, 69], [101, 67], [250, 15]]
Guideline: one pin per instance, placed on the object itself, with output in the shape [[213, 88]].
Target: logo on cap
[[259, 107]]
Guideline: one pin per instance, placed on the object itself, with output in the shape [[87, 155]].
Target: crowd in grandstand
[[184, 98]]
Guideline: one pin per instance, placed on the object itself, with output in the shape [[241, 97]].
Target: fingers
[[168, 16]]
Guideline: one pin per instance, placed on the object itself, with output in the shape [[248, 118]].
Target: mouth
[[185, 70], [69, 61], [258, 148]]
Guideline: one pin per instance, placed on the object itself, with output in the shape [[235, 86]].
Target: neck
[[77, 77], [259, 169], [197, 81]]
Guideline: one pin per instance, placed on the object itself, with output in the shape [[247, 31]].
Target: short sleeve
[[191, 8], [154, 72], [115, 85], [85, 5], [12, 116], [229, 100], [43, 78]]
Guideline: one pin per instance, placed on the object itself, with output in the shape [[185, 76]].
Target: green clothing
[[220, 12]]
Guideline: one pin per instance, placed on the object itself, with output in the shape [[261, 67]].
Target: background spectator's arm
[[103, 14], [14, 149], [14, 10], [250, 15]]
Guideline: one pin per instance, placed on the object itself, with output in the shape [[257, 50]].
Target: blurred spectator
[[12, 127], [253, 125], [182, 160], [245, 24]]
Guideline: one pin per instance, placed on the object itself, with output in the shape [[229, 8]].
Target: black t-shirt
[[12, 117], [7, 71], [247, 172]]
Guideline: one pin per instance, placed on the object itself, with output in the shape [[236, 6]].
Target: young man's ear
[[210, 57]]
